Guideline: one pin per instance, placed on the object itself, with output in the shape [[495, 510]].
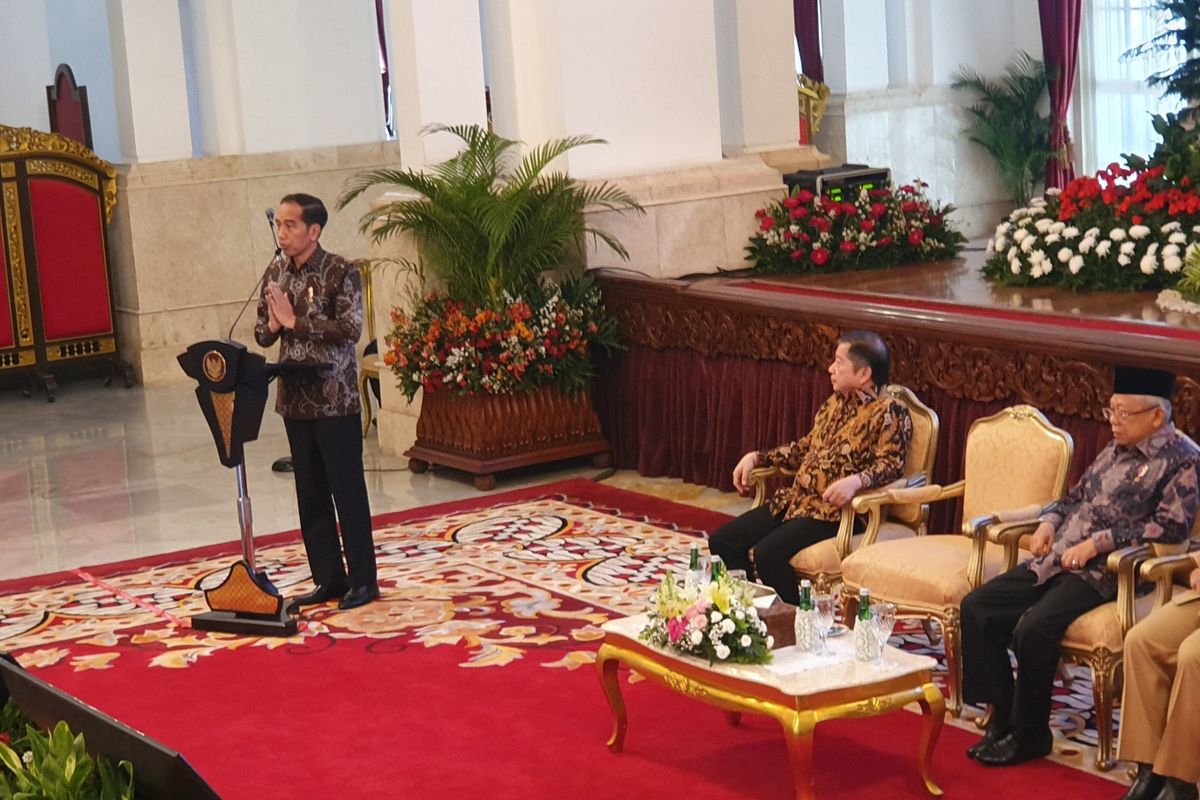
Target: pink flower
[[675, 629]]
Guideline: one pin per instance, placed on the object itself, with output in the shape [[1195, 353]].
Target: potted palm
[[499, 334]]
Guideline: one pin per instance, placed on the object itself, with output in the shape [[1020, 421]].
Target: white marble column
[[435, 56], [854, 45], [215, 91], [149, 80], [24, 64], [757, 76]]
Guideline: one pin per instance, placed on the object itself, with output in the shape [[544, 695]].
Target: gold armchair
[[822, 563], [1014, 458], [1097, 638], [369, 364]]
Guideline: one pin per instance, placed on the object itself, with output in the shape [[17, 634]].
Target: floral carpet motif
[[532, 577], [526, 576]]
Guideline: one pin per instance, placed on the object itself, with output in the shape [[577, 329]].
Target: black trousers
[[327, 459], [773, 541], [1010, 610]]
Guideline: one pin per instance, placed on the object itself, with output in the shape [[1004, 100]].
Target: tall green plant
[[1180, 33], [1007, 123], [489, 220]]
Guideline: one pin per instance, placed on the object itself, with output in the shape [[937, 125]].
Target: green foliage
[[1189, 284], [56, 766], [1180, 33], [1178, 153], [489, 220], [1007, 123]]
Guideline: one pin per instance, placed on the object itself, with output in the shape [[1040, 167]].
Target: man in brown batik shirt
[[859, 439], [312, 304]]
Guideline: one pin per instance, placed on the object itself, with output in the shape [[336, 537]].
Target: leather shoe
[[1146, 785], [1176, 789], [319, 594], [359, 596], [990, 737], [1011, 750]]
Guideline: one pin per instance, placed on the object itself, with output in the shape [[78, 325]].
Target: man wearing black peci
[[312, 304]]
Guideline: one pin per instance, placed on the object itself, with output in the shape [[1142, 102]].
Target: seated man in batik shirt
[[859, 440], [1141, 488]]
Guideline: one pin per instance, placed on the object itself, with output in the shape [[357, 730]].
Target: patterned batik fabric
[[326, 294], [860, 433]]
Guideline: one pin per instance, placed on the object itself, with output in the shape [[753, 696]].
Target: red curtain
[[676, 413], [806, 17], [1060, 49]]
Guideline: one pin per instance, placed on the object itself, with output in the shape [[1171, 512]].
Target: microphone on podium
[[258, 283]]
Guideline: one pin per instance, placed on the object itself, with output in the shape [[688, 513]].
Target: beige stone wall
[[189, 238]]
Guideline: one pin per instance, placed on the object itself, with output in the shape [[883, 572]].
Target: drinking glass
[[823, 615], [883, 621]]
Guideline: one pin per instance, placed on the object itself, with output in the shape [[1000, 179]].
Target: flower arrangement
[[716, 621], [543, 337], [880, 228], [1120, 229], [35, 764]]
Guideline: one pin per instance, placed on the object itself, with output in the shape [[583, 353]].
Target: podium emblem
[[214, 366]]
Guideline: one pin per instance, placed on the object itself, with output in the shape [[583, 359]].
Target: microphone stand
[[258, 283]]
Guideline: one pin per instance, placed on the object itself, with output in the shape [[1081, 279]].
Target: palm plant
[[489, 221], [1007, 123], [1180, 33]]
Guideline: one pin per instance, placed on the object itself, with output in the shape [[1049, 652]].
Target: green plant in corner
[[56, 766], [1180, 33], [1006, 121]]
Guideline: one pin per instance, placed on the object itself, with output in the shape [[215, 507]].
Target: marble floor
[[107, 473]]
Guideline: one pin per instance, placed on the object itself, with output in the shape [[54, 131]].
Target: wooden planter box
[[489, 433]]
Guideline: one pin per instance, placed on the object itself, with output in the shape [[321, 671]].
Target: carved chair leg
[[952, 644], [1105, 666]]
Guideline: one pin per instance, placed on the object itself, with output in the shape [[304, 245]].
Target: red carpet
[[473, 677]]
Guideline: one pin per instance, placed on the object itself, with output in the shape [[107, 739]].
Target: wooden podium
[[232, 391]]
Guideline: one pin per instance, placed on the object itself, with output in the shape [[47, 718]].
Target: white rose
[[1139, 231], [1027, 244], [1001, 243], [1170, 250], [738, 613], [745, 640], [1123, 260], [1058, 227], [1148, 265], [1103, 248], [722, 652], [1086, 244], [1172, 264], [1002, 228], [1064, 255], [1012, 252], [1173, 225], [715, 617], [1037, 271], [695, 637], [1043, 225], [1127, 248], [1075, 264], [1152, 249], [1178, 237], [1015, 267], [1051, 238], [1116, 234], [1020, 234], [1070, 232], [728, 625]]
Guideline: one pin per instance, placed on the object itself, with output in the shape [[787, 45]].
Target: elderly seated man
[[1160, 710], [1142, 487], [859, 439]]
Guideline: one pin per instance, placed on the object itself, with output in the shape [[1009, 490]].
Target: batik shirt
[[326, 294], [1133, 494], [858, 434]]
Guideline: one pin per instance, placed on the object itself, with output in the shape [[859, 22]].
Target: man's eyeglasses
[[1120, 414]]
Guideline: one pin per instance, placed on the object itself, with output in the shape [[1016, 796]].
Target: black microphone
[[258, 283]]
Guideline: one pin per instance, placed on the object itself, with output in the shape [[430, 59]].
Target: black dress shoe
[[1176, 789], [320, 594], [359, 596], [283, 465], [1011, 750], [1146, 785], [990, 737]]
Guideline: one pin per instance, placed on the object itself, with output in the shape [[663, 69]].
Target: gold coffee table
[[797, 689]]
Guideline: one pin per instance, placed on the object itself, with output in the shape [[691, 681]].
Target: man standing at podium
[[312, 304]]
